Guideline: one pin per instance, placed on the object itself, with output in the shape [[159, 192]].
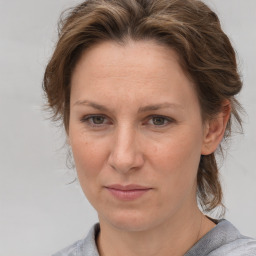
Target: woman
[[146, 92]]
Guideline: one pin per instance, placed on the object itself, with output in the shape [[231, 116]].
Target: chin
[[129, 221]]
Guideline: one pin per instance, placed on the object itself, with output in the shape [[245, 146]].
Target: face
[[136, 134]]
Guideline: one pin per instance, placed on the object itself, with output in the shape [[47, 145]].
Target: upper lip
[[127, 187]]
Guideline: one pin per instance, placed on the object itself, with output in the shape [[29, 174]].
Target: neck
[[174, 237]]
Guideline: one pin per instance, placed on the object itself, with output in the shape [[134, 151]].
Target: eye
[[160, 120], [95, 120]]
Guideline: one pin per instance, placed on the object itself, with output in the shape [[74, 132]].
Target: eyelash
[[88, 120]]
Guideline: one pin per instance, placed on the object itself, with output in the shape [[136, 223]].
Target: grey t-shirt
[[223, 240]]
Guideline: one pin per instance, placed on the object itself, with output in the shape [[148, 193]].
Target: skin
[[117, 137]]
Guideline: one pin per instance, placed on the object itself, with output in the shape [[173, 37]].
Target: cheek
[[176, 160], [179, 149], [178, 176], [90, 157]]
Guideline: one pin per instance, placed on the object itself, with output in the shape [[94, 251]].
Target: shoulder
[[245, 246], [231, 242], [226, 240], [84, 247]]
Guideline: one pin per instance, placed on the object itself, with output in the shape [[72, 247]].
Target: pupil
[[98, 119], [158, 121]]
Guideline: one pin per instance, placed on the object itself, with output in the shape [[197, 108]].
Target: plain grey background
[[39, 212]]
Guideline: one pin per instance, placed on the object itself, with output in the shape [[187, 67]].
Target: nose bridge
[[125, 154]]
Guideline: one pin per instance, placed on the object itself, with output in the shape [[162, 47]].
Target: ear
[[215, 128]]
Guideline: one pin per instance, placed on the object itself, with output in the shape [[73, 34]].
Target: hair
[[189, 27]]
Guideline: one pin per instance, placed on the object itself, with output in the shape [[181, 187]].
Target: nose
[[126, 153]]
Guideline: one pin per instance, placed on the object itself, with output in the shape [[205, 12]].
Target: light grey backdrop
[[39, 213]]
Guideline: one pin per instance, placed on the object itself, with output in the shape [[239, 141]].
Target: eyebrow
[[90, 104], [141, 109], [159, 106]]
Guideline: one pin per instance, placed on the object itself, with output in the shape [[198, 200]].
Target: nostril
[[122, 164], [126, 161]]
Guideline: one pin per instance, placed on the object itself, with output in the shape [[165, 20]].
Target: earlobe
[[215, 129]]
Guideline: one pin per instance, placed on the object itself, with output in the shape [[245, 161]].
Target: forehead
[[111, 56], [136, 70]]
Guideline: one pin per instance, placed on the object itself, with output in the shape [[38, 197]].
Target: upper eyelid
[[162, 116], [89, 116], [148, 117], [86, 117]]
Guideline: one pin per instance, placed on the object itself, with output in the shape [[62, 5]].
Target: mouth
[[128, 192]]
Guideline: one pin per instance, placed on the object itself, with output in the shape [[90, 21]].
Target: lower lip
[[127, 195]]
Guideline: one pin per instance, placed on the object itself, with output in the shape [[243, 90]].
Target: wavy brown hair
[[189, 27]]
